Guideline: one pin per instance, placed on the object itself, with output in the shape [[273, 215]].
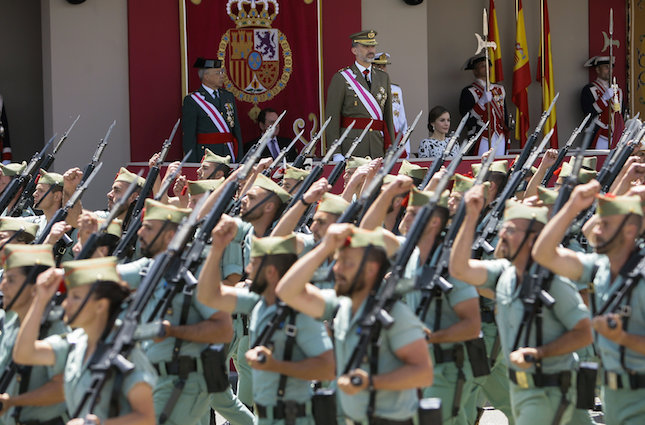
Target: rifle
[[111, 357], [98, 153], [234, 206], [27, 198], [300, 159], [438, 162], [92, 242], [332, 179], [61, 213], [612, 305], [564, 151], [18, 183], [608, 174], [316, 172], [487, 228], [376, 314], [533, 138], [359, 207], [433, 274], [276, 162], [154, 173], [277, 322], [181, 277], [128, 240]]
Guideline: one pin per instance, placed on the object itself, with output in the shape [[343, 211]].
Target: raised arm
[[289, 219], [546, 250], [28, 350], [210, 290], [294, 287], [547, 161], [462, 267], [375, 215]]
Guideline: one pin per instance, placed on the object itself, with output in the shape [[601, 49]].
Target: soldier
[[615, 232], [17, 230], [388, 383], [603, 100], [292, 178], [538, 353], [213, 166], [209, 115], [8, 172], [301, 350], [48, 197], [88, 223], [361, 93], [266, 118], [20, 403], [450, 319], [118, 189], [181, 395], [92, 315], [480, 97], [381, 61]]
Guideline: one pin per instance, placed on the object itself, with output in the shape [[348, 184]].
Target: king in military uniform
[[361, 93], [210, 115]]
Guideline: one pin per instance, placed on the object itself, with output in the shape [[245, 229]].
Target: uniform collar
[[602, 83], [209, 90], [361, 68]]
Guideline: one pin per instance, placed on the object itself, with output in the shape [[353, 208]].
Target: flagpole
[[488, 108], [543, 53]]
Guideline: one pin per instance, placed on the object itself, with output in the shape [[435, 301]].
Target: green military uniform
[[195, 121], [311, 340], [394, 405], [69, 351], [321, 277], [343, 105], [530, 401]]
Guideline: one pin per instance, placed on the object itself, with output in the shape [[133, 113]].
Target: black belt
[[488, 316], [444, 356], [540, 380], [182, 366], [279, 411], [55, 421], [634, 381], [383, 421]]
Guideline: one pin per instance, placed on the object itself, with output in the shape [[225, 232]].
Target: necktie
[[366, 73], [273, 147]]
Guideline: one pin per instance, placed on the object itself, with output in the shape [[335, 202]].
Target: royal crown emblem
[[257, 57]]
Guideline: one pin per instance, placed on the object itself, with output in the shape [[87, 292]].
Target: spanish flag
[[545, 75], [495, 55], [521, 78]]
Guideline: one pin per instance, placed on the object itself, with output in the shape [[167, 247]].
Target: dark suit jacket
[[282, 142], [196, 121]]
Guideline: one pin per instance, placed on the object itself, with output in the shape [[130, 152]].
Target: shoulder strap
[[291, 331]]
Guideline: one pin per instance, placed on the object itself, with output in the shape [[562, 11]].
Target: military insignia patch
[[257, 57]]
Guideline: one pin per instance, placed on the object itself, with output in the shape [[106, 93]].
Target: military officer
[[299, 352], [91, 316], [615, 232], [480, 97], [19, 402], [603, 100], [209, 115], [381, 61], [538, 353], [388, 383], [361, 93]]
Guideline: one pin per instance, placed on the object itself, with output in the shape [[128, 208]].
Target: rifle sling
[[290, 330]]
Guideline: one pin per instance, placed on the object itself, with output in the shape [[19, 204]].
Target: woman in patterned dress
[[439, 126]]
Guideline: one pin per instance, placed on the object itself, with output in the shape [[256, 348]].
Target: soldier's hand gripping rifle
[[98, 153], [376, 314], [112, 357], [438, 162], [300, 159], [488, 226], [27, 198], [612, 166], [433, 274], [127, 241], [19, 182], [333, 177], [92, 242], [359, 206], [564, 151], [317, 170], [61, 213], [154, 173], [181, 278], [283, 152], [613, 303]]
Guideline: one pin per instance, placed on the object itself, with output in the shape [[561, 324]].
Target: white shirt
[[210, 91], [361, 68]]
